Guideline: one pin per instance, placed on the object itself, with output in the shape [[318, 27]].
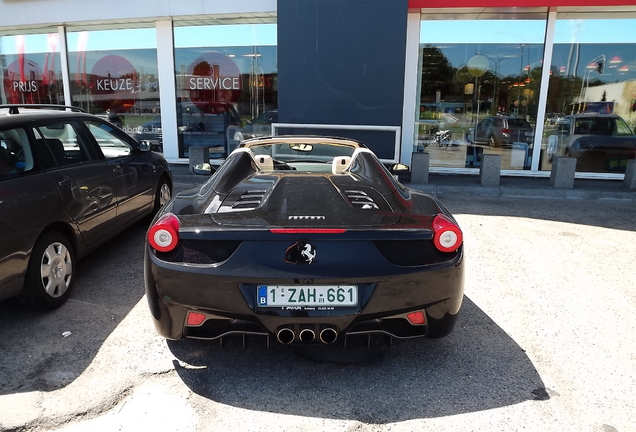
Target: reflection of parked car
[[191, 117], [259, 126], [551, 119], [502, 131], [69, 181], [112, 117], [600, 142], [304, 240]]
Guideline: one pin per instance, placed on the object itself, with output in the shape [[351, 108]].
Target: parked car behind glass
[[600, 142], [503, 131], [191, 117], [69, 181], [259, 126]]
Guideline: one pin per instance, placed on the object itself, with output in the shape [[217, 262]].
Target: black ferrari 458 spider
[[304, 240]]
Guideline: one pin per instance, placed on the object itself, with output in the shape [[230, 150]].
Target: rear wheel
[[49, 275], [444, 140], [492, 142], [163, 194]]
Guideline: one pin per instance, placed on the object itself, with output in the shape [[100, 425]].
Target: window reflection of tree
[[437, 74], [203, 68]]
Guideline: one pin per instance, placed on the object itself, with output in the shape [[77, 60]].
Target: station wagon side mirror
[[144, 146]]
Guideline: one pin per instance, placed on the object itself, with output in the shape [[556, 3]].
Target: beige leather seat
[[339, 164], [264, 162]]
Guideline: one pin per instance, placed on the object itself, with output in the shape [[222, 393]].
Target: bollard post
[[198, 155], [629, 182], [490, 170], [419, 167], [562, 174]]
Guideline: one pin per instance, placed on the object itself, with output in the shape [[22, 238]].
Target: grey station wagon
[[69, 181]]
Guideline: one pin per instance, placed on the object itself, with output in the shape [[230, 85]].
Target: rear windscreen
[[518, 123]]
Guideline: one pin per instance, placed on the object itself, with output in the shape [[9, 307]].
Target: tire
[[445, 141], [49, 276], [163, 194], [492, 142]]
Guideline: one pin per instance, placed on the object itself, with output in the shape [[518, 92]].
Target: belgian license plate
[[293, 295]]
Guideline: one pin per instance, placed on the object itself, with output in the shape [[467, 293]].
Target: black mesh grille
[[201, 252], [411, 253], [360, 199]]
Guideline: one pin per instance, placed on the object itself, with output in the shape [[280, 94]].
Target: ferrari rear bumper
[[223, 305]]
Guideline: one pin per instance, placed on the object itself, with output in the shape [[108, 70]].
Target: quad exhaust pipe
[[328, 335], [307, 335], [286, 335]]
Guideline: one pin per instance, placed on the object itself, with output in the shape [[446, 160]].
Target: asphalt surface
[[545, 341]]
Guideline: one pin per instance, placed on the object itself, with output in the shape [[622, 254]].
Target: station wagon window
[[622, 129], [15, 153], [111, 145], [60, 144]]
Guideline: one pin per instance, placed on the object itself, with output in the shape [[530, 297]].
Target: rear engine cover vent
[[360, 199], [249, 200]]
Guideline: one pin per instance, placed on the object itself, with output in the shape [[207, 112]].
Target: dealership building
[[455, 80]]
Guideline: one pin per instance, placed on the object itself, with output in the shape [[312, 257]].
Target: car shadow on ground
[[478, 367], [109, 283]]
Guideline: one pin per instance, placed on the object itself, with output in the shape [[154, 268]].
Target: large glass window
[[31, 69], [113, 74], [226, 77], [591, 107], [479, 90]]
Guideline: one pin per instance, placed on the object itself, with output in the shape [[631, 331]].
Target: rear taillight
[[164, 234], [505, 131], [447, 235]]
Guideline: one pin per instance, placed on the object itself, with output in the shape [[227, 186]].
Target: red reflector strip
[[195, 318], [416, 317], [307, 231]]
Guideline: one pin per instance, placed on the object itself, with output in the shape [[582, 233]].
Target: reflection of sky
[[595, 31], [484, 31], [225, 36], [143, 60], [507, 60], [112, 39], [528, 31], [32, 44], [512, 45], [262, 57], [239, 42], [208, 36], [567, 58]]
